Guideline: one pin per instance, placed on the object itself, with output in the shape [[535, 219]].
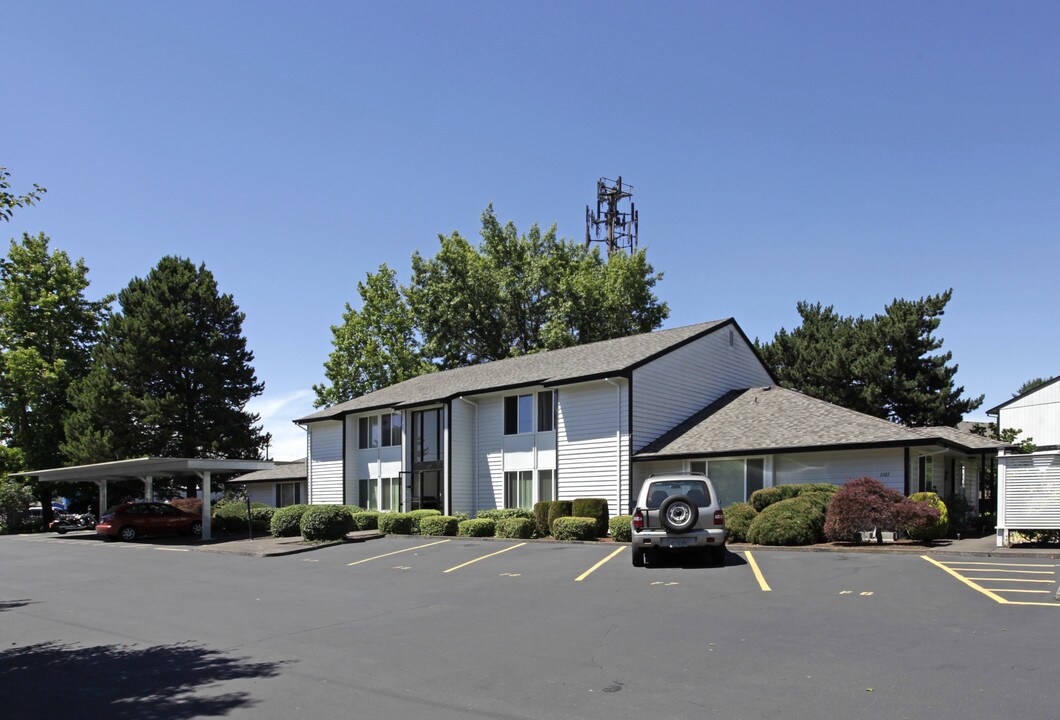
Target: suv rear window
[[696, 490]]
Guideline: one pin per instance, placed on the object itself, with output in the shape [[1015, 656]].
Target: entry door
[[427, 462], [427, 490]]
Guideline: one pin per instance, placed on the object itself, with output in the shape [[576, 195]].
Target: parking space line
[[472, 562], [1004, 570], [969, 562], [992, 594], [172, 549], [398, 552], [1006, 590], [598, 565], [758, 573]]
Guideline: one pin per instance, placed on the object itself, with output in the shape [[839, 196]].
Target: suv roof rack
[[689, 473]]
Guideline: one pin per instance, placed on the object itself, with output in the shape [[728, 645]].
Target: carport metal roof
[[146, 469]]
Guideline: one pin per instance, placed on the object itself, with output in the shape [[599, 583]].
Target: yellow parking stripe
[[990, 594], [471, 562], [758, 573], [1006, 590], [594, 568], [1016, 572], [951, 563], [398, 552], [997, 579]]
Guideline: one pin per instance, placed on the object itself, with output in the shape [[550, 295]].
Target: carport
[[146, 470]]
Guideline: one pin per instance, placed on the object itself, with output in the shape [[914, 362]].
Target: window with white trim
[[288, 494], [379, 494], [379, 431]]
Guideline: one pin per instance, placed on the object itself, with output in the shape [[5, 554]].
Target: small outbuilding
[[279, 486]]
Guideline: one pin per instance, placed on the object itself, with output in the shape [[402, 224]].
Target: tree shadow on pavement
[[123, 682], [12, 604]]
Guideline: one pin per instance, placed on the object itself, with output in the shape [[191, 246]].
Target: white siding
[[593, 449], [262, 493], [325, 463], [1037, 415], [490, 460], [837, 467], [462, 459], [675, 386], [1029, 488], [643, 470]]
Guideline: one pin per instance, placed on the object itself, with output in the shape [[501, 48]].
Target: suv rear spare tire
[[678, 514]]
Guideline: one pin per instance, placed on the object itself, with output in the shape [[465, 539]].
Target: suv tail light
[[719, 518], [638, 521]]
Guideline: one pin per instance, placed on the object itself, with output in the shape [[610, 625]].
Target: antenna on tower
[[610, 224]]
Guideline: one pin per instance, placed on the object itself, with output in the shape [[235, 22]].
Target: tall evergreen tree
[[886, 365], [171, 375]]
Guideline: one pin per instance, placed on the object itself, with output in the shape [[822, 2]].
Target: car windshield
[[696, 490]]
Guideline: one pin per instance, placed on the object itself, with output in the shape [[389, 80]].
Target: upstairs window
[[518, 414], [379, 431], [546, 411]]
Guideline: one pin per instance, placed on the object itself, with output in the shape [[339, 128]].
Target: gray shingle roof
[[964, 438], [553, 367], [755, 420], [282, 472]]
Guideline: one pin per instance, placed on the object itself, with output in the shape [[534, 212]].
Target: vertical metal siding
[[1031, 491], [462, 457]]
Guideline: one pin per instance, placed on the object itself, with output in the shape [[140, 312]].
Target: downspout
[[618, 444], [474, 453]]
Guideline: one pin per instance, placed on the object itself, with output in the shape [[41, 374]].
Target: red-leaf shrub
[[192, 505], [861, 504], [919, 519]]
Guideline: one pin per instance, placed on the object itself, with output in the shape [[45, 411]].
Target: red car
[[131, 520]]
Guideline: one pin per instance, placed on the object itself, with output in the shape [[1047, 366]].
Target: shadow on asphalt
[[122, 682], [689, 560], [12, 604]]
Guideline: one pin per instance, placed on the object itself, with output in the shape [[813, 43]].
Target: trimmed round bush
[[574, 528], [232, 516], [594, 508], [261, 518], [541, 518], [395, 523], [920, 528], [860, 505], [620, 528], [367, 520], [476, 528], [738, 518], [761, 499], [796, 521], [505, 513], [353, 509], [285, 521], [514, 528], [557, 509], [418, 515], [438, 525], [325, 522]]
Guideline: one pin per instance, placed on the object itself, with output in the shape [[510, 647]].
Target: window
[[382, 494], [427, 436], [733, 480], [288, 494], [546, 485], [546, 411], [518, 414], [518, 489], [375, 431], [926, 473]]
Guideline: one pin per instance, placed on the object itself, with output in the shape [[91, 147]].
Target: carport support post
[[149, 490], [204, 484], [102, 497]]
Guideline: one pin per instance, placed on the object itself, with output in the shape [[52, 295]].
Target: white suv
[[678, 512]]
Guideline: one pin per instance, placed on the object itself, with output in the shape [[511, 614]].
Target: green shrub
[[557, 509], [395, 523], [927, 531], [353, 509], [738, 519], [232, 516], [620, 528], [438, 525], [461, 516], [505, 513], [541, 518], [1041, 537], [14, 504], [417, 515], [476, 528], [261, 518], [761, 499], [325, 522], [574, 528], [796, 521], [594, 508], [285, 521], [514, 528], [367, 520]]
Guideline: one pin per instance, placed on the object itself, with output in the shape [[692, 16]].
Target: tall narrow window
[[362, 433], [926, 473], [518, 414], [546, 411], [546, 485], [519, 489], [395, 429], [367, 494], [390, 494]]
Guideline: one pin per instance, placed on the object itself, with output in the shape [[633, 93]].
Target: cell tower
[[609, 224]]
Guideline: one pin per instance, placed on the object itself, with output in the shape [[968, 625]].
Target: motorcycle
[[73, 521]]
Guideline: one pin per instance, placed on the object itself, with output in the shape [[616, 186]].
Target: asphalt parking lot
[[458, 628]]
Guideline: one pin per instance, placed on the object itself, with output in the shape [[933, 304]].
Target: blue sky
[[847, 153]]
